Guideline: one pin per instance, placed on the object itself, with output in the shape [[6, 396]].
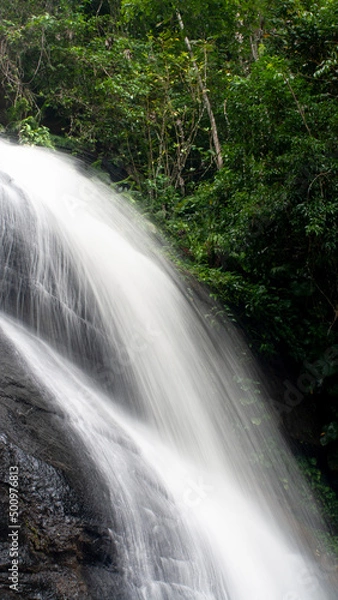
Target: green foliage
[[320, 489], [270, 216], [330, 433], [33, 134]]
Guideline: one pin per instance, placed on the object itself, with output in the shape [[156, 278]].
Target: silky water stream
[[204, 493]]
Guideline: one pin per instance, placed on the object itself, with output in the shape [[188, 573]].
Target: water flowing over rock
[[65, 544], [150, 466]]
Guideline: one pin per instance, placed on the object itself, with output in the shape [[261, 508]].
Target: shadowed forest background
[[220, 119]]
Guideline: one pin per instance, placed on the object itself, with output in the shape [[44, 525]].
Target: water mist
[[204, 493]]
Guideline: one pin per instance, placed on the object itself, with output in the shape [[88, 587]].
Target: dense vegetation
[[222, 116]]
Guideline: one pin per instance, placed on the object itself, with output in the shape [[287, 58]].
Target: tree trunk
[[214, 133]]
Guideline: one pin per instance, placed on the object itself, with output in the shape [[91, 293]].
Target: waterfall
[[205, 497]]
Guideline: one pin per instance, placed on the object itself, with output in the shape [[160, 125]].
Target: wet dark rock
[[72, 538], [66, 550]]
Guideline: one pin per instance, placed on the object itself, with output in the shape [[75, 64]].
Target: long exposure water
[[206, 498]]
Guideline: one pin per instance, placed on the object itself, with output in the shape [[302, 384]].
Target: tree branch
[[214, 132]]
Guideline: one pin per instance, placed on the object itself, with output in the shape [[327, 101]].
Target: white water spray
[[164, 404]]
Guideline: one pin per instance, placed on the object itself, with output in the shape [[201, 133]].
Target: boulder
[[65, 545]]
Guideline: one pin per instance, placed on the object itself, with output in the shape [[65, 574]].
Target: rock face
[[65, 547]]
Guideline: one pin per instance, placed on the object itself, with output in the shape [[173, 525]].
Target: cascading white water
[[167, 407]]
